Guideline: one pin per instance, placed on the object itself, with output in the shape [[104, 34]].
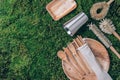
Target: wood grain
[[59, 8]]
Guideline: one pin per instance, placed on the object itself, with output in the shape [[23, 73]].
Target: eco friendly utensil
[[75, 57], [78, 59], [88, 55], [76, 44], [59, 8], [72, 71], [109, 28], [81, 64], [103, 38], [91, 75], [104, 6], [73, 61], [73, 25]]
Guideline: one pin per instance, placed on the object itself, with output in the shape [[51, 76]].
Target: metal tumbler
[[73, 25]]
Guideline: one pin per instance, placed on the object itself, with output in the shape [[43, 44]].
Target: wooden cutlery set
[[74, 64]]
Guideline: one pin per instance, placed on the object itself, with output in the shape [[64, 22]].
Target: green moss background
[[30, 39]]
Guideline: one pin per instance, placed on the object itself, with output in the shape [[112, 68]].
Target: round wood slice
[[100, 53]]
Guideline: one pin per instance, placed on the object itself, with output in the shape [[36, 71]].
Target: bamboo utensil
[[78, 59], [72, 70], [73, 58], [103, 38], [87, 72], [78, 42], [88, 55], [73, 61], [91, 75], [109, 28]]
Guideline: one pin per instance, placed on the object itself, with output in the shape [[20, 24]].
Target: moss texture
[[30, 39]]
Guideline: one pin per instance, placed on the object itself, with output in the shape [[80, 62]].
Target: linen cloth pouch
[[95, 66]]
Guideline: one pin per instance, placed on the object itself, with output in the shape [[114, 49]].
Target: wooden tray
[[59, 8], [100, 53]]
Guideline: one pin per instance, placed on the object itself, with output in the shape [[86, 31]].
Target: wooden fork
[[78, 59], [78, 42], [69, 68], [73, 61]]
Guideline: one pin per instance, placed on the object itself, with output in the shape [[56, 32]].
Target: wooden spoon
[[69, 68], [78, 43], [78, 59], [73, 61]]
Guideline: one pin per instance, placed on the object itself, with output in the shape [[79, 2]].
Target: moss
[[30, 39]]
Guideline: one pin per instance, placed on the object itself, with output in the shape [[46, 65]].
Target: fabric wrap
[[95, 66]]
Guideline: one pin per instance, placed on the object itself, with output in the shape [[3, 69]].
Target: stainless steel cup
[[73, 25]]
